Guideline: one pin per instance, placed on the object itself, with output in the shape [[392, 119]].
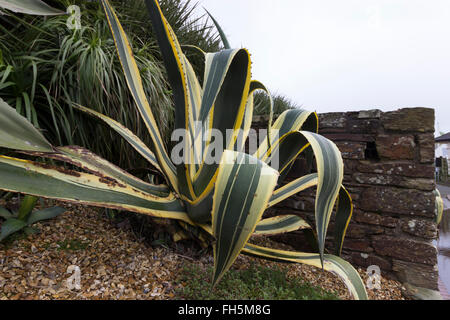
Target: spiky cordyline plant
[[226, 199]]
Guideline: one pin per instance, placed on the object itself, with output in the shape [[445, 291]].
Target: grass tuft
[[254, 283]]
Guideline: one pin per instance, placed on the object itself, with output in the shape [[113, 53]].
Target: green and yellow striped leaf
[[19, 134], [293, 187], [288, 121], [280, 224], [344, 213], [129, 136], [285, 150], [184, 94], [243, 188], [134, 82], [330, 173], [92, 163], [224, 99], [248, 115], [331, 263], [57, 183]]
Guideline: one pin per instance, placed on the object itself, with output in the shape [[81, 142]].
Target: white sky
[[330, 55]]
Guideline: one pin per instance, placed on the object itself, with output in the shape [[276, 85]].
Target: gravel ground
[[114, 264]]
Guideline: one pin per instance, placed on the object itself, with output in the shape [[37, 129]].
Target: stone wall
[[389, 171]]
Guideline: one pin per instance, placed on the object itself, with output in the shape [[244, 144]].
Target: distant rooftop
[[445, 137]]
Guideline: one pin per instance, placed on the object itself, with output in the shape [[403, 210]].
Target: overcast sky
[[329, 55]]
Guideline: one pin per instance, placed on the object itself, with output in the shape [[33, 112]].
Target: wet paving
[[443, 244]]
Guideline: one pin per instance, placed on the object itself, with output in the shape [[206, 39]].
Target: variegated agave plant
[[226, 199]]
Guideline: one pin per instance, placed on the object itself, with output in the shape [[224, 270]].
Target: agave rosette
[[225, 198]]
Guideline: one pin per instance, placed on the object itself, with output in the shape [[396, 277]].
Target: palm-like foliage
[[227, 198], [280, 104], [45, 67]]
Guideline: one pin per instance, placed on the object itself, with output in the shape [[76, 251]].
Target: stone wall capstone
[[390, 174]]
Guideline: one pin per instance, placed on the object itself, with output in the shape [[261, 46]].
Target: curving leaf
[[34, 7], [10, 226], [288, 121], [344, 213], [129, 136], [5, 214], [134, 82], [248, 115], [280, 224], [223, 37], [244, 186], [330, 173], [16, 132], [293, 187], [58, 183], [285, 150], [90, 162], [331, 263], [224, 99], [177, 67], [26, 206], [45, 214]]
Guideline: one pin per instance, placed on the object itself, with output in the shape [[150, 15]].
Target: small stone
[[396, 147], [370, 114]]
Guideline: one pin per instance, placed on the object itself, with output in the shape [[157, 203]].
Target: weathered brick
[[409, 119], [352, 150], [398, 201], [359, 231], [371, 126], [350, 137], [404, 168], [405, 249], [375, 219], [360, 245], [420, 228], [396, 147], [393, 180], [420, 275], [332, 120], [368, 259], [370, 114], [426, 145], [373, 179]]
